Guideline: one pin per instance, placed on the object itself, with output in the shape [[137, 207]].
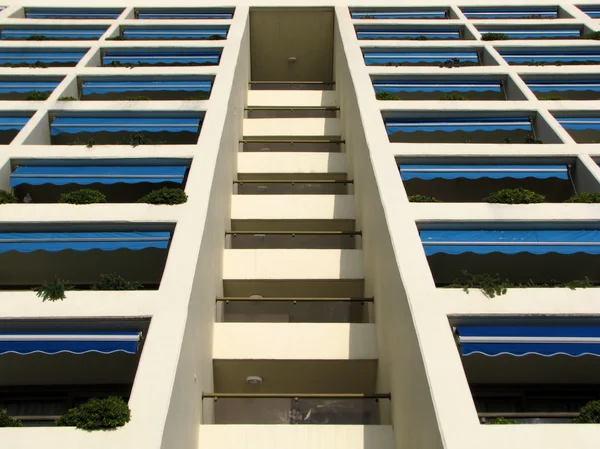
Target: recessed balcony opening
[[184, 13], [212, 33], [530, 370], [120, 181], [592, 11], [294, 288], [295, 112], [491, 32], [145, 88], [27, 88], [323, 393], [300, 145], [511, 12], [559, 56], [160, 57], [11, 125], [465, 127], [520, 257], [564, 87], [47, 33], [582, 127], [42, 58], [401, 13], [72, 13], [135, 128], [294, 184], [52, 366], [290, 85], [33, 255], [427, 57], [460, 180], [411, 32], [453, 88]]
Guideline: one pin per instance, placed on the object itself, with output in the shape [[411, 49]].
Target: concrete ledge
[[291, 163], [292, 207], [291, 98], [295, 127]]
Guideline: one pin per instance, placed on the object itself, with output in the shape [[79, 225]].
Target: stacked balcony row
[[115, 13]]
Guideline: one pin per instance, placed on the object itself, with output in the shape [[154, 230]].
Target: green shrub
[[137, 139], [585, 197], [515, 196], [115, 38], [9, 421], [456, 62], [82, 196], [385, 96], [67, 99], [452, 97], [36, 95], [589, 413], [53, 290], [595, 35], [502, 421], [165, 195], [490, 285], [421, 38], [579, 283], [532, 139], [140, 98], [113, 281], [37, 37], [7, 197], [551, 98], [422, 199], [215, 37], [97, 414], [494, 37]]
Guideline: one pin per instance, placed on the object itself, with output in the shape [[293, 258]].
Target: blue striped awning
[[399, 14], [96, 174], [27, 242], [580, 123], [535, 33], [12, 123], [419, 57], [591, 10], [69, 342], [52, 33], [175, 33], [27, 56], [563, 55], [25, 86], [389, 33], [437, 86], [564, 86], [178, 13], [141, 85], [394, 125], [530, 12], [72, 13], [209, 56], [510, 241], [429, 172], [73, 125], [546, 341]]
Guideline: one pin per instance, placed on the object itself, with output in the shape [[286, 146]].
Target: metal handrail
[[294, 181], [529, 415], [292, 141], [294, 232], [292, 108], [296, 396], [291, 82], [293, 299]]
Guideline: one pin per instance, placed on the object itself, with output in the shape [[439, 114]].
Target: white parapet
[[304, 98], [292, 163], [292, 127], [292, 207]]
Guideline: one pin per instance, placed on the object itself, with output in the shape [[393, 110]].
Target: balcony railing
[[293, 239], [291, 85], [292, 186]]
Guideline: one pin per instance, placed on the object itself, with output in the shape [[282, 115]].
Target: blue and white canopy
[[468, 124], [542, 86], [27, 56], [208, 56], [579, 123], [437, 86], [530, 12], [72, 13], [591, 10], [510, 241], [26, 242], [52, 33], [96, 174], [74, 125], [563, 55], [12, 123], [419, 57], [178, 13], [547, 341], [535, 33], [429, 172], [175, 33], [399, 14], [140, 85], [27, 85], [390, 33], [69, 342]]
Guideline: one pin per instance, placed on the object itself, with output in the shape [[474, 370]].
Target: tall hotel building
[[389, 239]]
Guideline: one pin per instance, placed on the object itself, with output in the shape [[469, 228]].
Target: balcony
[[427, 57], [172, 33], [400, 13], [160, 57], [10, 126], [32, 57], [531, 32], [532, 56], [51, 33], [413, 32], [184, 13], [507, 13], [27, 88], [73, 13], [564, 88], [583, 128], [144, 88], [592, 11]]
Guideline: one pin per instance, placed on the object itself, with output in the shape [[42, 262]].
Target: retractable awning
[[459, 124], [175, 13], [558, 86], [69, 342], [428, 172], [580, 123], [26, 242], [175, 33], [415, 57], [400, 14], [363, 33], [164, 57], [73, 125], [22, 56], [52, 33], [141, 85], [591, 10], [437, 86], [533, 56], [511, 13], [24, 86], [86, 175], [511, 241], [547, 341], [12, 123], [535, 33], [70, 13]]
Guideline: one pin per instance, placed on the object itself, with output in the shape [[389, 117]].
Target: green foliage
[[452, 97], [515, 196], [195, 98], [113, 281], [36, 95], [579, 283], [137, 139], [82, 196], [97, 414], [421, 38], [490, 285], [9, 421], [115, 38], [551, 98], [215, 37], [494, 37], [89, 143], [456, 62], [139, 98], [67, 99], [589, 413], [7, 197], [595, 35], [502, 421], [532, 139], [585, 197], [128, 65], [422, 199], [165, 195], [37, 37], [53, 290], [385, 96], [38, 64]]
